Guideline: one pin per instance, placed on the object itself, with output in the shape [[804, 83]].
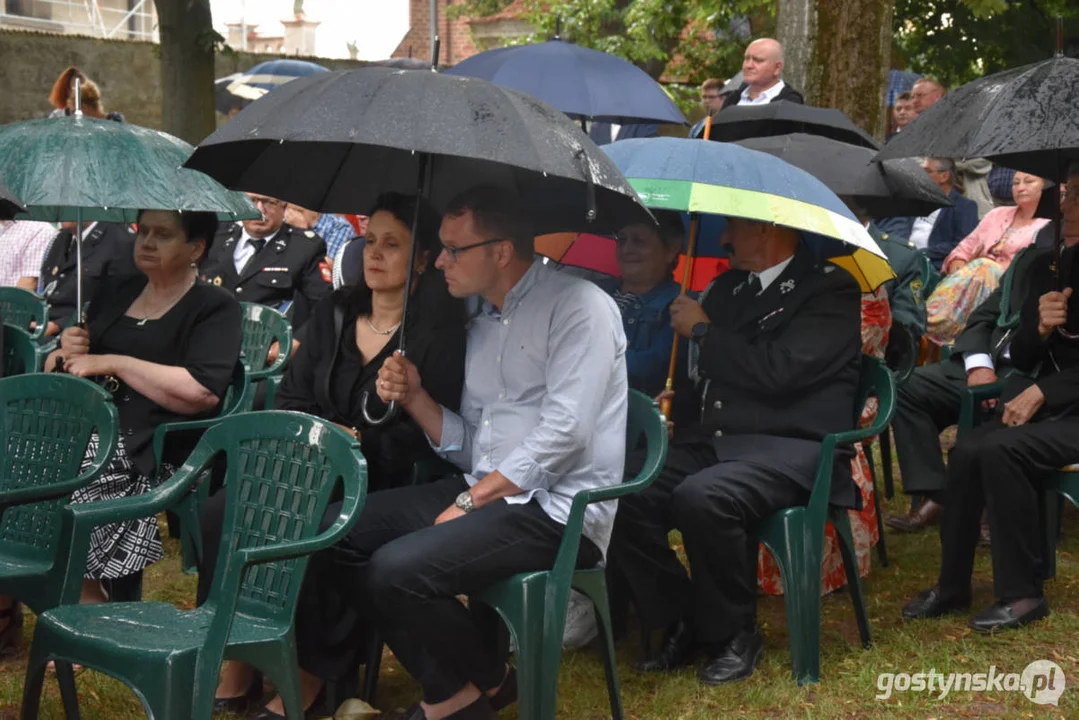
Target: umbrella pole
[[78, 267], [423, 186], [687, 275]]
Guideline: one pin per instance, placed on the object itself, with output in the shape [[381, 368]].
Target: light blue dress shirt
[[545, 397]]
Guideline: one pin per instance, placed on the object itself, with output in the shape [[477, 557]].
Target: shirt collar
[[767, 95], [517, 292], [767, 277], [245, 236]]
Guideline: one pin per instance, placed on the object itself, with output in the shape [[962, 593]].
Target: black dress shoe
[[676, 651], [242, 704], [918, 519], [736, 661], [931, 604], [478, 710], [1007, 616]]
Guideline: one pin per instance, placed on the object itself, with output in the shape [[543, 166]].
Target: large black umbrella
[[9, 204], [1025, 119], [335, 141], [892, 188], [782, 118]]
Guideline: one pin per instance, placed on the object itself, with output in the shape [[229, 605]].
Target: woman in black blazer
[[345, 342]]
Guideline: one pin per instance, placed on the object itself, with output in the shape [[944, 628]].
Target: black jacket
[[108, 250], [780, 371], [787, 93], [285, 270]]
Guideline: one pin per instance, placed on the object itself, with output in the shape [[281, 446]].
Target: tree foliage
[[960, 40]]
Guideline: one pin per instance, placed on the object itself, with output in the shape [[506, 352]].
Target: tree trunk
[[848, 45], [187, 68]]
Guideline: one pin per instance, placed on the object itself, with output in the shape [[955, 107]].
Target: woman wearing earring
[[345, 342], [165, 344]]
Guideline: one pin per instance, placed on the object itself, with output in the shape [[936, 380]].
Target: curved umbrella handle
[[391, 411]]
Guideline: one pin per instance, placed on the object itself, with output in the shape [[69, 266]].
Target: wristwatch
[[698, 331], [464, 501]]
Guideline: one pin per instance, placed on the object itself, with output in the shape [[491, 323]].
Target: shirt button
[[631, 321], [239, 290], [498, 359], [637, 306], [485, 458], [505, 322], [501, 395], [718, 433], [486, 423], [717, 405]]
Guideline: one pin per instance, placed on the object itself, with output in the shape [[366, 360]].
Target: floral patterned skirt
[[950, 305]]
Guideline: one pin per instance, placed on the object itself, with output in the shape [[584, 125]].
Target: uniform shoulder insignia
[[309, 233], [884, 236]]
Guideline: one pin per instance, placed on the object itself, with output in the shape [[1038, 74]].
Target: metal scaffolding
[[115, 19]]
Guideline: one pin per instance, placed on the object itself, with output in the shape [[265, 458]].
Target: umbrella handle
[[391, 412]]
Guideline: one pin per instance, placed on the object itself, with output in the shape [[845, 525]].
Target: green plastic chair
[[533, 605], [20, 352], [795, 536], [47, 424], [21, 307], [262, 326], [282, 469]]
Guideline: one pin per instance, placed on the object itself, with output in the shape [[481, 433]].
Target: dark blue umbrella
[[581, 82], [244, 88]]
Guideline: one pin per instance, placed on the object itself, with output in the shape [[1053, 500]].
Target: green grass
[[848, 673]]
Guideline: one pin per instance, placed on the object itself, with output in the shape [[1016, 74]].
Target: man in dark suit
[[939, 232], [107, 249], [268, 261], [929, 400], [778, 346], [1000, 464], [762, 70], [604, 133]]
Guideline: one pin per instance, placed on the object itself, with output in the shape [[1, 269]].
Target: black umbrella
[[9, 204], [892, 188], [335, 141], [1024, 119], [782, 118]]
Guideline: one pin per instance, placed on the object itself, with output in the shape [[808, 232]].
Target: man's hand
[[351, 431], [1022, 407], [398, 379], [75, 341], [86, 365], [272, 353], [299, 217], [52, 329], [664, 400], [1052, 311], [955, 266], [983, 376], [451, 513], [685, 313]]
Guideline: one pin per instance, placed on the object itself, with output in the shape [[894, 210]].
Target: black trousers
[[1001, 468], [716, 504], [406, 572], [928, 402]]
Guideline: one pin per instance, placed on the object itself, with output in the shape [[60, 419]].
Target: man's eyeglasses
[[455, 251], [269, 203], [710, 96]]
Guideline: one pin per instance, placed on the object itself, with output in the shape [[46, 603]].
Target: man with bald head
[[762, 70], [775, 347], [925, 93]]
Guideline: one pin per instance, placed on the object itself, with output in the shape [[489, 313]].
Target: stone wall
[[128, 73]]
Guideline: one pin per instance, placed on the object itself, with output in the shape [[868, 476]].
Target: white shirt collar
[[767, 277], [245, 236], [765, 97]]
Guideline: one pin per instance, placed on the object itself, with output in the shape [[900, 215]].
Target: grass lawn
[[849, 674]]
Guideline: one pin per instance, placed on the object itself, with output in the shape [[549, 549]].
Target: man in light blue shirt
[[543, 416]]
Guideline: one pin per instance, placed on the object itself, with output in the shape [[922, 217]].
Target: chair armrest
[[970, 412], [164, 429]]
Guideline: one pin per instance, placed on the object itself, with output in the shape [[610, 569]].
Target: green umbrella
[[82, 169]]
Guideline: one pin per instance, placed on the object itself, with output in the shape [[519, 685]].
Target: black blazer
[[200, 333], [787, 93], [780, 371], [108, 250], [327, 378]]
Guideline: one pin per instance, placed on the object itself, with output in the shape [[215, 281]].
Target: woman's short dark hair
[[196, 225], [496, 213], [431, 300]]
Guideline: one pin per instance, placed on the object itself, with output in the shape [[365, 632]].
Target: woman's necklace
[[381, 332], [172, 302]]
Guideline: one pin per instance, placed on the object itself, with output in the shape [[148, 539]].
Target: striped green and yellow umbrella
[[712, 181]]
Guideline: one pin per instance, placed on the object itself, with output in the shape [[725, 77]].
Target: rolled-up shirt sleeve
[[456, 443], [586, 341]]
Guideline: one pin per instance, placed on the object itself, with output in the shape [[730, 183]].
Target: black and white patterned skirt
[[123, 548]]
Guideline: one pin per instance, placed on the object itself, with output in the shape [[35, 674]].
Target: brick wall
[[454, 33]]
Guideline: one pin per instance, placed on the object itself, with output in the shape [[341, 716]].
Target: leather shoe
[[932, 604], [1006, 616], [478, 710], [918, 519], [677, 650], [242, 704], [734, 662]]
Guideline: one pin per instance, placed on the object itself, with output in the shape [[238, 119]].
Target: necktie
[[257, 244], [753, 285]]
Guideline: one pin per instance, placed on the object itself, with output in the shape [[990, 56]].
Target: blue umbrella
[[581, 82], [241, 89]]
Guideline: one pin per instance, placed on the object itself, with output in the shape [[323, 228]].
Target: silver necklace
[[381, 332], [166, 308]]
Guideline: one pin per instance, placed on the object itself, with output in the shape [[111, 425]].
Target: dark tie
[[257, 244], [753, 285]]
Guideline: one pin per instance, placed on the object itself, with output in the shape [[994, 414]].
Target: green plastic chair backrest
[[281, 470], [875, 380], [927, 275], [263, 325], [20, 352], [19, 307], [48, 422]]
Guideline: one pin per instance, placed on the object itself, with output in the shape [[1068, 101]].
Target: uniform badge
[[786, 286], [279, 245], [916, 290], [738, 288], [56, 270], [827, 269], [217, 280]]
